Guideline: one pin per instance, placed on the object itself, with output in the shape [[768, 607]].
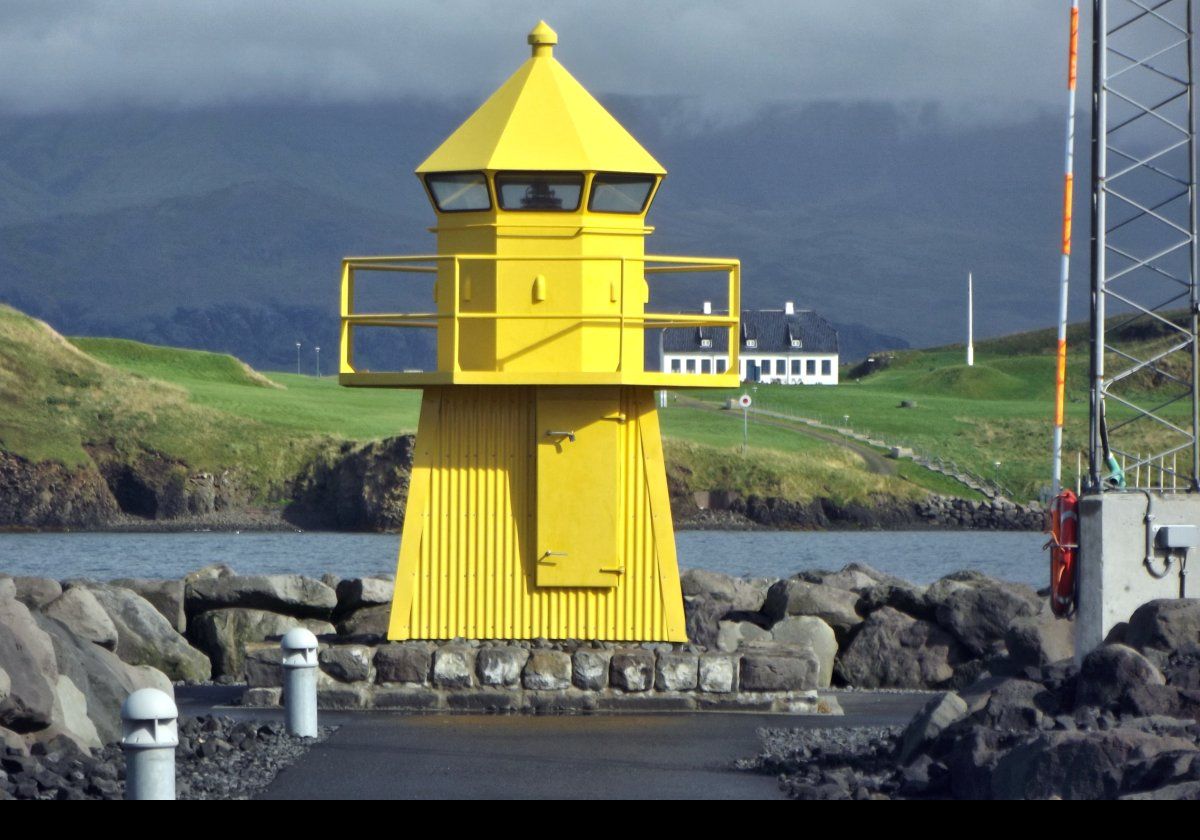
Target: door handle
[[568, 435]]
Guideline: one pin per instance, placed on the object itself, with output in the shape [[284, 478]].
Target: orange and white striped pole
[[1060, 380]]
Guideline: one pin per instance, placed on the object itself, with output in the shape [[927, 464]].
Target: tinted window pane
[[620, 193], [545, 191], [459, 191], [826, 367]]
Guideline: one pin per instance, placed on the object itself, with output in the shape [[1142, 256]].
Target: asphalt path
[[380, 755]]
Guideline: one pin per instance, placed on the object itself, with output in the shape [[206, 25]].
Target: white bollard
[[300, 682], [150, 733]]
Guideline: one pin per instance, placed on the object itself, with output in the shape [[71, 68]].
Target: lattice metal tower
[[1144, 408]]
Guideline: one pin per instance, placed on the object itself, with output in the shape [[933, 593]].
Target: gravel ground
[[815, 763], [217, 758]]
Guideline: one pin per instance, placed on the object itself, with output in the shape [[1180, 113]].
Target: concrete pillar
[[1115, 577]]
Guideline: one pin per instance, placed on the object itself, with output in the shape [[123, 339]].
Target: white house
[[788, 346]]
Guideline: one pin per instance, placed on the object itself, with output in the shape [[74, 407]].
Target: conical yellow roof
[[541, 119]]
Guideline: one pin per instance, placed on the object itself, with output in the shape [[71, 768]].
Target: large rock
[[732, 635], [356, 593], [741, 595], [780, 669], [5, 686], [1076, 765], [935, 717], [1166, 626], [702, 617], [367, 621], [223, 635], [978, 610], [293, 595], [905, 597], [83, 615], [71, 715], [1111, 673], [145, 637], [854, 576], [27, 656], [36, 592], [1037, 640], [894, 650], [166, 595], [836, 607], [104, 680], [811, 632]]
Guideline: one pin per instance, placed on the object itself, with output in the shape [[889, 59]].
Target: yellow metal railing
[[452, 315]]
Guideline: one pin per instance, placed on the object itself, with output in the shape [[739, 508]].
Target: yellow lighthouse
[[538, 503]]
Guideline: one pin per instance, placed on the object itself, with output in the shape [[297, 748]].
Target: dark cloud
[[973, 58]]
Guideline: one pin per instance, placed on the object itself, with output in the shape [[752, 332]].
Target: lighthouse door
[[578, 486]]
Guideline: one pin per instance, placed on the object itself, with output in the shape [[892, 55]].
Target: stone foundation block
[[547, 670], [405, 662], [485, 701], [632, 670], [344, 697], [589, 669], [454, 666], [408, 698], [262, 697], [500, 666], [717, 674], [797, 669], [347, 663], [676, 672]]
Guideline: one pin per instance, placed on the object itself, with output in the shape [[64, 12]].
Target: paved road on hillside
[[377, 755]]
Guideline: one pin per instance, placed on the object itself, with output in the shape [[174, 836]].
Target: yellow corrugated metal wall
[[466, 564]]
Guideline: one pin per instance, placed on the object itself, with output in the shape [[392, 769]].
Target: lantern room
[[541, 274]]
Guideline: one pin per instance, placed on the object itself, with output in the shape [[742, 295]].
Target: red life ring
[[1064, 552]]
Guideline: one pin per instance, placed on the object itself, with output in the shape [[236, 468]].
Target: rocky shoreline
[[71, 650], [363, 487]]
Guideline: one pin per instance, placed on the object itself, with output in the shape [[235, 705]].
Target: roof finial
[[543, 39]]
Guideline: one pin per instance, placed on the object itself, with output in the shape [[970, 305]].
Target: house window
[[721, 364], [706, 365], [795, 367], [780, 367], [811, 367], [675, 365], [691, 365], [826, 367]]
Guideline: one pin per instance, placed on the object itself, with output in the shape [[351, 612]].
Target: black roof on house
[[773, 329]]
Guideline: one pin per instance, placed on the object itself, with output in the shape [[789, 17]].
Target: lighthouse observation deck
[[531, 340]]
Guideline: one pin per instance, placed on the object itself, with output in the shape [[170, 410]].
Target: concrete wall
[[1113, 579]]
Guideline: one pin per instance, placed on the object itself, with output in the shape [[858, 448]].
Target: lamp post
[[318, 362], [297, 358]]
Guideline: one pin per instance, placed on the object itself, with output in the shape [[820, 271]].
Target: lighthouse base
[[538, 512]]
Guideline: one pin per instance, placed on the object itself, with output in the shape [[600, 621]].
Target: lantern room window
[[540, 191], [620, 193], [455, 192]]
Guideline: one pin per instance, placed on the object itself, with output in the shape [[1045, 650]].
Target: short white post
[[300, 682], [150, 733]]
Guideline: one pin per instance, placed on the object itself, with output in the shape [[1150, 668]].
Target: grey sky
[[995, 58]]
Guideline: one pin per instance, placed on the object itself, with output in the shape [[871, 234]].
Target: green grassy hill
[[66, 400], [73, 400], [993, 419]]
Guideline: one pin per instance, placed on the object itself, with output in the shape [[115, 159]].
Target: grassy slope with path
[[1000, 410]]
